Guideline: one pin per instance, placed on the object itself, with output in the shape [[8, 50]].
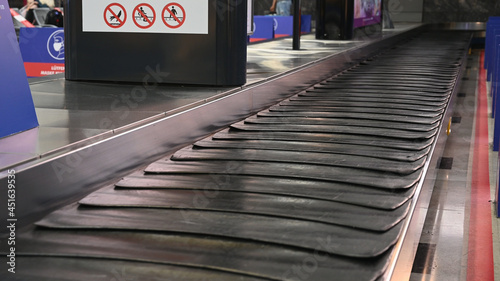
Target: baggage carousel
[[323, 184]]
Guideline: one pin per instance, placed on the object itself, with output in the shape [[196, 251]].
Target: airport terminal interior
[[249, 140]]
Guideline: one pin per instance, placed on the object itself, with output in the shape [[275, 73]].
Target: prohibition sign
[[172, 18], [144, 15], [115, 17]]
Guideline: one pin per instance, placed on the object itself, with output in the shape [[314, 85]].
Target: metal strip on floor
[[317, 187]]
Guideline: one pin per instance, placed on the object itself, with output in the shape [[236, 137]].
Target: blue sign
[[305, 25], [17, 111], [283, 26], [263, 28], [42, 50], [55, 45]]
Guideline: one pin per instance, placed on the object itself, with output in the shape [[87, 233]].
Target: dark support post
[[296, 24], [220, 61]]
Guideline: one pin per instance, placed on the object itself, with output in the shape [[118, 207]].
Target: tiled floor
[[442, 252]]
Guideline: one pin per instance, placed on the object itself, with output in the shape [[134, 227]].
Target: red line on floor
[[480, 252]]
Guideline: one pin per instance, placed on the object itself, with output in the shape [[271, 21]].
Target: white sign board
[[250, 17], [155, 16]]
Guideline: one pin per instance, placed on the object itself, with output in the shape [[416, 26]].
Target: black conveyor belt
[[317, 187]]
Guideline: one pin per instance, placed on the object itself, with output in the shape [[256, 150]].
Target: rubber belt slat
[[367, 131], [278, 231], [315, 189], [169, 256], [320, 94], [300, 157], [359, 104], [403, 112], [314, 121], [318, 141], [252, 203], [289, 170], [349, 115]]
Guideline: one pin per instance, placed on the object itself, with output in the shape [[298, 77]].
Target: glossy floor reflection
[[442, 252]]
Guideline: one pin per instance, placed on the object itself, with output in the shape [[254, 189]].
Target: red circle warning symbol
[[173, 15], [144, 16], [115, 15]]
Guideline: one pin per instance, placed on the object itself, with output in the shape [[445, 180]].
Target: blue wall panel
[[17, 111]]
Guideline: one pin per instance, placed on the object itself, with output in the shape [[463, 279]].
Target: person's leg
[[283, 8]]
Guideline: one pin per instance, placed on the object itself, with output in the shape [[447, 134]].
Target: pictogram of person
[[143, 15], [174, 12]]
